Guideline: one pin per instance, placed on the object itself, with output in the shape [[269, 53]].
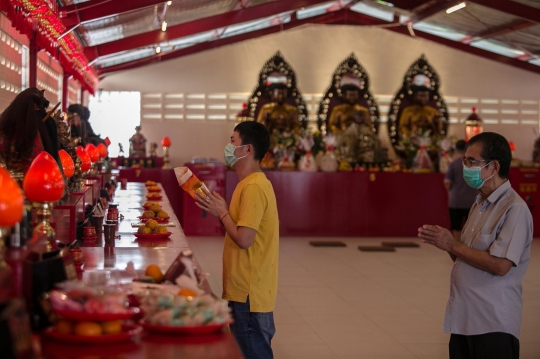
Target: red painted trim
[[32, 61], [504, 29], [65, 91], [96, 9], [470, 49], [512, 8], [197, 26], [337, 17], [432, 8]]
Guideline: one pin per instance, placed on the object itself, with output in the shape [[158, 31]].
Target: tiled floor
[[346, 304]]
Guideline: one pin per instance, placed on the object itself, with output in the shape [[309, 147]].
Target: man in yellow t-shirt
[[250, 253]]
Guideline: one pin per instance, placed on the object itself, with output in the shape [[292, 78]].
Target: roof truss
[[198, 26], [73, 15], [343, 16]]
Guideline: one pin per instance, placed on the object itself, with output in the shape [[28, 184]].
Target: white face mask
[[230, 158]]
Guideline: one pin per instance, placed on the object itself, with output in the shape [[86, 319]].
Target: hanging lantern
[[473, 125]]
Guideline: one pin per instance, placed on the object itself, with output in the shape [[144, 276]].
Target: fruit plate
[[187, 330], [152, 235], [88, 316], [154, 190], [159, 220], [153, 198], [128, 332]]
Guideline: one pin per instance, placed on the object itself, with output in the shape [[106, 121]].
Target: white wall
[[314, 52]]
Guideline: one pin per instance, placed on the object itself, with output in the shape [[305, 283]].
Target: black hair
[[461, 145], [21, 122], [278, 86], [76, 108], [255, 134], [415, 89], [349, 87], [494, 148]]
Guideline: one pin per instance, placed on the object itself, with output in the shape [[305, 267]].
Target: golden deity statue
[[420, 117], [279, 116], [349, 112]]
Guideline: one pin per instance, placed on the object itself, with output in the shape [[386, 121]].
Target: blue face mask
[[230, 158], [473, 176]]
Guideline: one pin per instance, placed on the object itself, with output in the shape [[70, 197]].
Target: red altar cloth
[[375, 204]]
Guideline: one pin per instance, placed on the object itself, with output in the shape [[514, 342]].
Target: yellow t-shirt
[[253, 271]]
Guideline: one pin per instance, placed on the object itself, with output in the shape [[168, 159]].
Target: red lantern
[[85, 158], [102, 149], [92, 152], [43, 181], [11, 200], [166, 142], [67, 163], [473, 125]]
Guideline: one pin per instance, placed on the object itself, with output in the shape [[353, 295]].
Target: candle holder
[[166, 160], [43, 185], [166, 143], [43, 227]]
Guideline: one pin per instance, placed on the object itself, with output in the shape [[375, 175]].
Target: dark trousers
[[253, 331], [485, 346]]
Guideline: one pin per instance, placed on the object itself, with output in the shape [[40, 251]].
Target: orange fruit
[[88, 329], [64, 326], [185, 292], [112, 327], [155, 272]]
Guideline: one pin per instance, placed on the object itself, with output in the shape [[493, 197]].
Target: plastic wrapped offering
[[189, 182]]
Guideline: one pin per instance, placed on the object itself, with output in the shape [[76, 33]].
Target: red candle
[[43, 181], [92, 152], [11, 200], [67, 163], [102, 149], [166, 142], [85, 158]]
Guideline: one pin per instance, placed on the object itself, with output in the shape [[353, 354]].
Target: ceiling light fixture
[[169, 3], [158, 49], [455, 8], [164, 26]]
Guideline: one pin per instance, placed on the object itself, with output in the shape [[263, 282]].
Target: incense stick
[[51, 112]]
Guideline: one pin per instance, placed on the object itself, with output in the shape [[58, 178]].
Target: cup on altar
[[89, 233], [109, 232], [189, 182], [98, 223], [123, 183]]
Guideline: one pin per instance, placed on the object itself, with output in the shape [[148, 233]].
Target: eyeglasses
[[468, 162]]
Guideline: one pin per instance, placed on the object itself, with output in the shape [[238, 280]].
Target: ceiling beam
[[500, 30], [470, 49], [431, 8], [72, 15], [197, 26], [337, 17], [512, 8]]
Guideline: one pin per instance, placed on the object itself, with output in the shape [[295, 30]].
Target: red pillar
[[32, 63], [65, 91]]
